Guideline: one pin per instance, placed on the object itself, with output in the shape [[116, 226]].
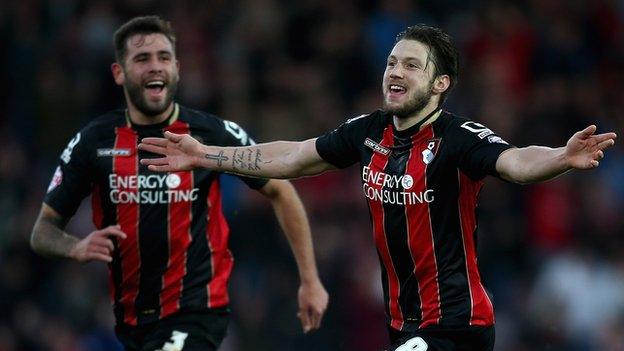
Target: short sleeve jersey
[[176, 255], [421, 185]]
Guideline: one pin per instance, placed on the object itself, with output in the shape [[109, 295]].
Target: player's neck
[[138, 117], [406, 122]]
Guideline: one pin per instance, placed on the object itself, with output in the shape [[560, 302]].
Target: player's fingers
[[305, 319], [605, 136], [315, 320], [155, 149], [154, 161], [109, 245], [154, 141], [98, 248], [605, 144], [114, 231], [173, 136], [598, 155], [95, 256], [101, 244], [588, 131], [157, 168]]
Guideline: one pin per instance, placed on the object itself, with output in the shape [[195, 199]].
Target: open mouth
[[155, 87], [397, 89]]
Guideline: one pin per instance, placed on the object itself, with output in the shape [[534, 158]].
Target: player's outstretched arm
[[531, 164], [280, 159], [289, 210], [49, 239]]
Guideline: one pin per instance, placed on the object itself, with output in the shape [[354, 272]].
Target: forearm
[[291, 215], [532, 164], [48, 239], [280, 159]]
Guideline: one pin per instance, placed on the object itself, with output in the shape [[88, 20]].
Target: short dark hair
[[444, 54], [140, 25]]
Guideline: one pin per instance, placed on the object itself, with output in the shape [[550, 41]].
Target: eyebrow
[[409, 58], [147, 53]]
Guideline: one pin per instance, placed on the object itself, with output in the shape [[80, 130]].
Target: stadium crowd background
[[533, 71]]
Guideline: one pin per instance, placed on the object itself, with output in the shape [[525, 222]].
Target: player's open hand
[[584, 150], [97, 246], [179, 152], [313, 301]]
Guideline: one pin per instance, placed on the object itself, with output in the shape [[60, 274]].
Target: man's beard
[[412, 106], [135, 92]]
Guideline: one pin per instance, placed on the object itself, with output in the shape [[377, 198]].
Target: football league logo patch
[[429, 153], [57, 178]]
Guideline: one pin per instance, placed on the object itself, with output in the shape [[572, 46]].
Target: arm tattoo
[[247, 160], [220, 158]]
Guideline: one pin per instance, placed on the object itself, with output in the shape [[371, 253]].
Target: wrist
[[310, 279], [199, 156], [72, 253], [563, 159]]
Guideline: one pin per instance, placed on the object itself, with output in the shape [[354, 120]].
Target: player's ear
[[118, 73], [441, 83]]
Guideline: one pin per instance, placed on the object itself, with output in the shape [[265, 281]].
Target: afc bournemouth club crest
[[430, 152]]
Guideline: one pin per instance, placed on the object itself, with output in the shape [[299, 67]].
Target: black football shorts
[[443, 339], [182, 331]]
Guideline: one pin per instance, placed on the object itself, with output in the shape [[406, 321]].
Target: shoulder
[[199, 119], [455, 124], [367, 119], [102, 125], [210, 127], [362, 124], [451, 120]]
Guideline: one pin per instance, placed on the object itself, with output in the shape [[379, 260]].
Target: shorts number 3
[[414, 344], [176, 343]]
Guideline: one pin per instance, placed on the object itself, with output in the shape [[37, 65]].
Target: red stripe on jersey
[[420, 233], [96, 206], [221, 259], [179, 237], [378, 163], [481, 309], [128, 219]]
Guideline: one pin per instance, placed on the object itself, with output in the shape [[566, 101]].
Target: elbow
[[514, 178], [35, 243], [36, 238], [293, 166]]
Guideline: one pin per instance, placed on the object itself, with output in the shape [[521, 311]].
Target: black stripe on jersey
[[397, 238], [198, 267], [116, 277], [449, 251], [154, 248]]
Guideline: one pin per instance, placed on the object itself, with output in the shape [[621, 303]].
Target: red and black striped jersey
[[176, 254], [422, 187]]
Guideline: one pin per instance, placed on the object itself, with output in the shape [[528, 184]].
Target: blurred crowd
[[534, 71]]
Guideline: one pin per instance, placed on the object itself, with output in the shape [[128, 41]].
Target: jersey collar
[[167, 122], [429, 119]]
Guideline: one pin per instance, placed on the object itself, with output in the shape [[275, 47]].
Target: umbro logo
[[376, 147], [113, 152]]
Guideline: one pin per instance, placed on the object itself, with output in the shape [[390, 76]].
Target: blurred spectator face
[[408, 80], [149, 73]]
